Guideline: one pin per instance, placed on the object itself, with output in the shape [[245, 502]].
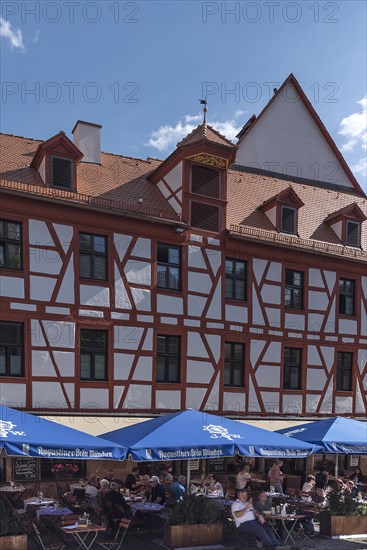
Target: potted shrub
[[12, 536], [196, 521], [344, 517]]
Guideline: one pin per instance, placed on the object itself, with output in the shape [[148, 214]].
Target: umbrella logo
[[7, 428], [219, 431]]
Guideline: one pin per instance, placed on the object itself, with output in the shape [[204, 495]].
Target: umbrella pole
[[188, 477], [336, 465]]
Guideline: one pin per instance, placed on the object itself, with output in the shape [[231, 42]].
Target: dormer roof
[[349, 211], [205, 132], [287, 196], [57, 142]]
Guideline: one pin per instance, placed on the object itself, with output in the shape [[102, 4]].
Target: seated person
[[91, 492], [158, 494], [243, 477], [178, 489], [244, 516], [262, 503], [356, 476], [351, 488], [133, 480], [307, 488], [215, 488], [321, 481], [115, 504]]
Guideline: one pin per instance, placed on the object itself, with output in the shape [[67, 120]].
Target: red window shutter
[[205, 181], [205, 216]]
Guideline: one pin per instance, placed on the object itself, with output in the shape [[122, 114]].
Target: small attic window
[[205, 181], [288, 220], [353, 230], [62, 172], [205, 216]]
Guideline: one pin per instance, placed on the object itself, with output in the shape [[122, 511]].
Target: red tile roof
[[120, 181], [204, 132]]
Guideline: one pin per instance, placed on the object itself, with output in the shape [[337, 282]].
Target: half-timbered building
[[229, 278]]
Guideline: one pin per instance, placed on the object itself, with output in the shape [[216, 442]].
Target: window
[[11, 349], [235, 279], [168, 267], [288, 220], [93, 256], [292, 368], [168, 359], [344, 371], [353, 233], [62, 172], [234, 365], [10, 244], [205, 181], [205, 216], [93, 354], [346, 297], [293, 289]]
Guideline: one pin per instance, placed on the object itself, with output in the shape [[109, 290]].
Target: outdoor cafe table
[[284, 524], [49, 518], [145, 507], [34, 502], [82, 533]]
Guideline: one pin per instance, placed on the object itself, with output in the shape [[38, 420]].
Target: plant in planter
[[63, 470], [12, 536], [345, 515], [204, 518]]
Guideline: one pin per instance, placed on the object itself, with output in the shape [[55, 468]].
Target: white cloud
[[354, 128], [166, 137], [360, 167], [239, 113], [14, 36], [36, 37]]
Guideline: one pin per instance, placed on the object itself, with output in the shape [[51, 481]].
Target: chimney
[[87, 137]]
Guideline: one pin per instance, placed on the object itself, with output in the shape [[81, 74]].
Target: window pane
[[99, 367], [297, 278], [174, 277], [240, 269], [227, 374], [229, 267], [173, 374], [162, 280], [2, 228], [2, 360], [349, 286], [99, 244], [14, 231], [85, 241], [288, 296], [161, 369], [161, 344], [228, 349], [85, 339], [238, 352], [15, 361], [288, 220], [297, 298], [85, 266], [100, 267], [174, 256], [352, 233], [162, 253], [173, 345], [2, 254], [349, 305], [14, 256], [240, 289], [85, 366], [229, 288], [99, 339], [237, 376], [294, 378]]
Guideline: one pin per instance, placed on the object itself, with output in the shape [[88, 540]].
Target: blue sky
[[139, 68]]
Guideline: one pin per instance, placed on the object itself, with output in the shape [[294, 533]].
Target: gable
[[286, 139]]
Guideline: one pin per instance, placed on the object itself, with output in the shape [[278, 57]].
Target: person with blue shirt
[[178, 489]]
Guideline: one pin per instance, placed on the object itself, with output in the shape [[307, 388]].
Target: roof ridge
[[222, 136], [20, 137]]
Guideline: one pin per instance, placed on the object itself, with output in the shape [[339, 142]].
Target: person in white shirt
[[215, 488], [307, 488], [245, 516]]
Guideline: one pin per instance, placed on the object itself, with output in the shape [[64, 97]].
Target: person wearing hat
[[248, 520], [158, 493]]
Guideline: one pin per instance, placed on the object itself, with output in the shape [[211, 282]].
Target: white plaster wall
[[195, 258], [312, 402], [348, 326], [363, 319], [199, 282], [13, 287], [65, 235], [195, 305], [166, 399], [142, 248], [36, 334], [144, 369], [199, 371], [258, 267], [270, 294], [313, 356], [273, 316], [42, 169], [42, 260], [139, 396], [330, 277], [214, 341], [141, 299], [93, 295], [48, 395], [39, 234], [194, 397], [65, 361], [163, 189], [41, 288], [287, 134], [337, 228], [328, 354], [268, 376], [271, 401], [169, 304], [315, 278], [235, 401], [122, 243], [60, 334], [256, 348], [315, 321], [94, 398], [274, 272], [294, 321], [215, 308], [318, 300], [273, 353], [343, 405], [195, 346], [316, 379], [122, 365], [174, 177], [236, 314], [257, 316], [122, 300], [272, 215], [42, 364], [215, 259], [66, 290], [292, 404], [127, 337], [175, 205], [138, 272]]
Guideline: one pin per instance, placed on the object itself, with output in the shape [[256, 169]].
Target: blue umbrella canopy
[[23, 434], [334, 435], [193, 434]]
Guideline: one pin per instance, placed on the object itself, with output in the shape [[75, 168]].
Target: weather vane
[[205, 110]]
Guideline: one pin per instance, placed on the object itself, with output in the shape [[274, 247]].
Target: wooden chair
[[42, 545], [119, 537]]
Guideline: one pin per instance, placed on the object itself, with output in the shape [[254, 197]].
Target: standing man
[[133, 481], [245, 520]]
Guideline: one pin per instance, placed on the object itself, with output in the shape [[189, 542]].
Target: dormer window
[[205, 181], [353, 233], [288, 220], [61, 172]]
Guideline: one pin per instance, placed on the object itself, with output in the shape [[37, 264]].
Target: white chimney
[[87, 137]]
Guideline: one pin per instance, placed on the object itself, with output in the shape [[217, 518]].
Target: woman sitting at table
[[243, 477], [356, 476], [215, 488], [351, 489], [115, 504], [307, 488], [91, 492]]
